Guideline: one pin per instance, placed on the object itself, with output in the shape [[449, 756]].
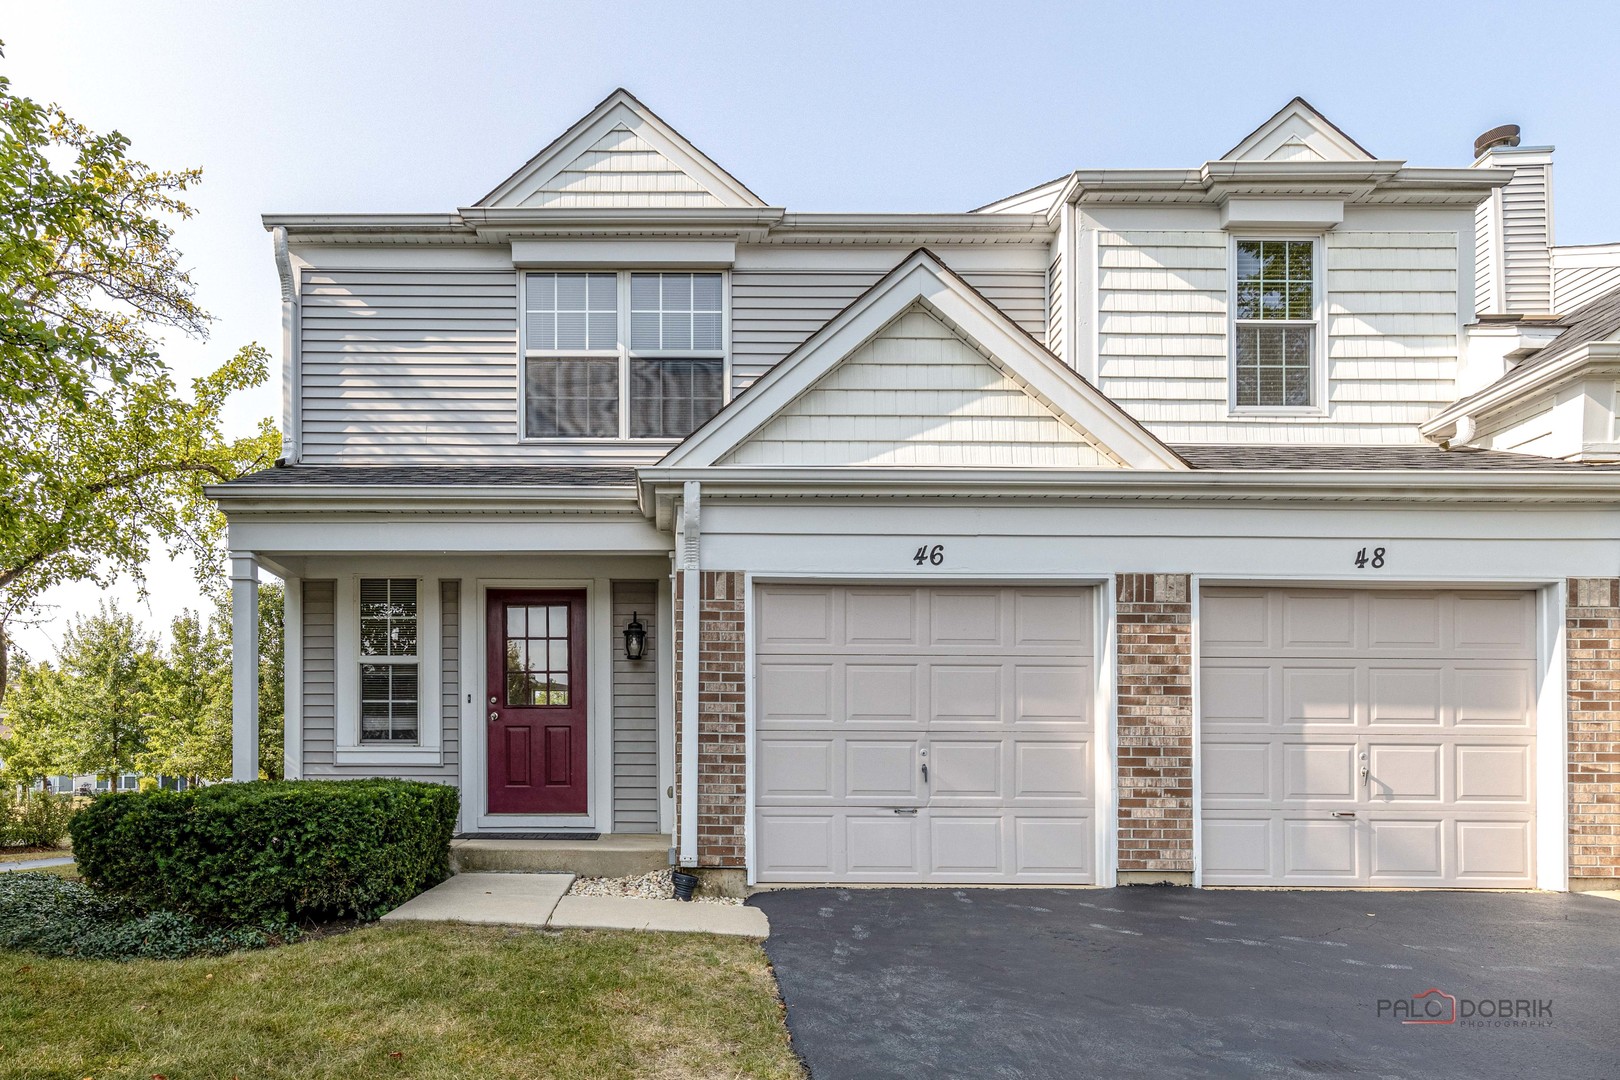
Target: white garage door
[[1368, 738], [925, 734]]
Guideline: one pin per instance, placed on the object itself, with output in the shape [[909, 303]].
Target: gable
[[922, 370], [1297, 132], [620, 155], [920, 394]]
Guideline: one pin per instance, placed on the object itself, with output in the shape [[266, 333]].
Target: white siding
[[774, 310], [1526, 240], [1391, 335], [1484, 257], [621, 170], [1054, 307], [917, 394], [1577, 285], [319, 700], [635, 712], [409, 366]]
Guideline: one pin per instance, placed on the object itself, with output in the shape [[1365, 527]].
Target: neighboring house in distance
[[1148, 525]]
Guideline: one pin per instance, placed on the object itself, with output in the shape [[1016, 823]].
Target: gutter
[[1512, 388]]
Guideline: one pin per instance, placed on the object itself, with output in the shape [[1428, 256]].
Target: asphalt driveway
[[1168, 982]]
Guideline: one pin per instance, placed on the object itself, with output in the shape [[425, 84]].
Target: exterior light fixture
[[635, 638]]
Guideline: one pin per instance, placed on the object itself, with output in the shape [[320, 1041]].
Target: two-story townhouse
[[1103, 534]]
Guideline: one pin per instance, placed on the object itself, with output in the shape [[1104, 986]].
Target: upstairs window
[[1275, 327], [390, 670], [625, 355]]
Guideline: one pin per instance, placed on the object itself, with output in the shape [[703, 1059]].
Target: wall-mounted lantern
[[635, 638]]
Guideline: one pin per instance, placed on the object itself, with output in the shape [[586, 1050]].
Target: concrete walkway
[[541, 900], [35, 864]]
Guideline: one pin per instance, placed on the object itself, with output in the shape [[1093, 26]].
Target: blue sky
[[416, 106]]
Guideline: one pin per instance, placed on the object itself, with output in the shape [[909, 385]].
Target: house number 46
[[932, 556], [1375, 560]]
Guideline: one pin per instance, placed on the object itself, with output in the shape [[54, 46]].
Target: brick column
[[1592, 629], [1154, 666], [722, 682]]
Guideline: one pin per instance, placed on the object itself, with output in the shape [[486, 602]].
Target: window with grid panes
[[390, 671], [669, 360], [1275, 324]]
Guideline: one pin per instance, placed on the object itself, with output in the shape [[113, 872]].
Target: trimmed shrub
[[44, 914], [271, 851]]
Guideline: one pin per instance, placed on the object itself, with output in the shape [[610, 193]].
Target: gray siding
[[320, 674], [635, 712], [409, 366], [320, 699], [774, 310]]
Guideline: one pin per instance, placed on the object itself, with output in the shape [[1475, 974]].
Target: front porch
[[613, 855]]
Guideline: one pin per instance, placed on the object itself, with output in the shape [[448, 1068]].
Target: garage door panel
[[1049, 770], [794, 694], [1494, 773], [965, 694], [796, 769], [1413, 851], [881, 694], [884, 617], [1320, 852], [886, 846], [1436, 688], [964, 617], [1243, 772], [1319, 772], [1407, 772], [1239, 850], [1237, 695], [992, 687], [1319, 694], [966, 769], [1406, 696], [1318, 622], [1493, 852]]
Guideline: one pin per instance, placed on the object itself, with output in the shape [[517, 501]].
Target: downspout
[[291, 354], [691, 598]]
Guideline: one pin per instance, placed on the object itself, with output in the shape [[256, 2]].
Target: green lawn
[[11, 854], [405, 1001]]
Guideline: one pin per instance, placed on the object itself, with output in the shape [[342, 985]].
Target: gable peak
[[1298, 132], [621, 154]]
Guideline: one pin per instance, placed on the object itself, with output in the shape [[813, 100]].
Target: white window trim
[[623, 352], [348, 749], [1319, 339]]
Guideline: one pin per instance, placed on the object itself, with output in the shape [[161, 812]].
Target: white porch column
[[244, 667], [691, 601]]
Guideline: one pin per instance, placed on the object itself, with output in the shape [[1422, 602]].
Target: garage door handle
[[925, 772], [1344, 813], [909, 811]]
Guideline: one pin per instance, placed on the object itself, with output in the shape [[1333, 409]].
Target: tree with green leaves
[[101, 454], [37, 745]]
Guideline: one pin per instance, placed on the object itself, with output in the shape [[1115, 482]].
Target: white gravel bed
[[654, 886]]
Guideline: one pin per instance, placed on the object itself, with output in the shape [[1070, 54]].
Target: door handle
[[908, 811], [925, 772], [1344, 813], [1364, 768], [494, 716]]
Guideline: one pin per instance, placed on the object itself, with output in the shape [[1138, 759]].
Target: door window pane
[[537, 661]]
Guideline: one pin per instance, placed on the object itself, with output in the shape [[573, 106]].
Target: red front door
[[536, 697]]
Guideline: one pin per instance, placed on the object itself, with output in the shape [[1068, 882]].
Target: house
[[1249, 523]]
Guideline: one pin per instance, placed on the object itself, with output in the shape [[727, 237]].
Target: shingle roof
[[1239, 456], [1595, 320], [445, 475]]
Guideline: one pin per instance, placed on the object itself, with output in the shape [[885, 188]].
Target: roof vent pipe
[[1506, 135]]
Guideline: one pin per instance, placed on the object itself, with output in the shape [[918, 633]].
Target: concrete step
[[614, 855]]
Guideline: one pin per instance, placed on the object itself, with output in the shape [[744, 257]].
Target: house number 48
[[1374, 560]]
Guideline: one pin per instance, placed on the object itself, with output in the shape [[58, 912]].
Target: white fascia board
[[1581, 256], [493, 498], [908, 225], [1252, 485], [922, 278], [1352, 182], [708, 254], [1597, 357]]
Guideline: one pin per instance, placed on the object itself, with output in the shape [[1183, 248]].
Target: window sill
[[1278, 413], [385, 755]]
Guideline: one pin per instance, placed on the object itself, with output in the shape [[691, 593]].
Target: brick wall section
[[1592, 626], [722, 742], [1154, 664]]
